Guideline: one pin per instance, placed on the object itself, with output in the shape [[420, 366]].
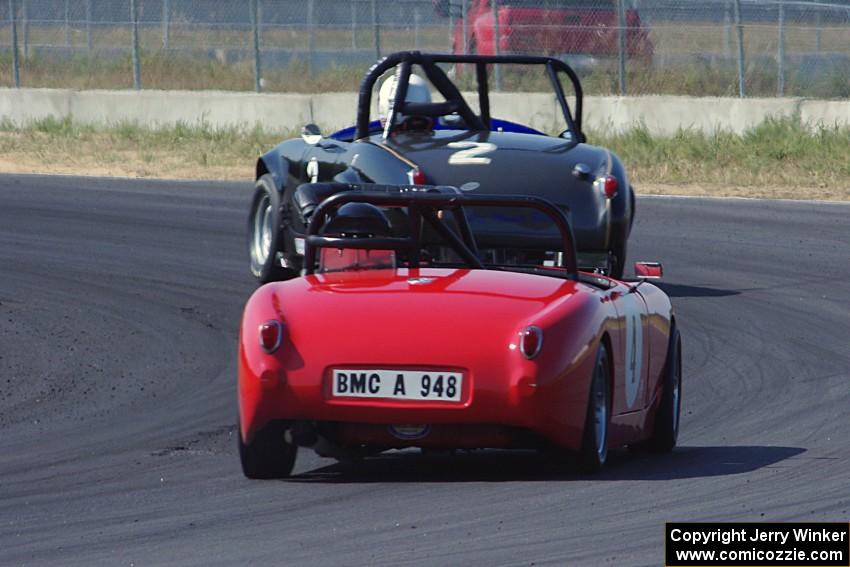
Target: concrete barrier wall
[[276, 112]]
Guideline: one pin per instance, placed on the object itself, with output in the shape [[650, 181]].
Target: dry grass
[[173, 72], [181, 152], [777, 155], [183, 35], [680, 37], [759, 39], [693, 59], [750, 192], [778, 159]]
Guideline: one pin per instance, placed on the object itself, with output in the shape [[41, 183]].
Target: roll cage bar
[[454, 99], [423, 204]]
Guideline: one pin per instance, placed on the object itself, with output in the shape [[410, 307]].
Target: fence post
[[353, 4], [376, 26], [25, 24], [260, 19], [16, 71], [780, 55], [451, 27], [621, 47], [416, 21], [137, 65], [311, 36], [818, 31], [88, 25], [166, 23], [740, 31], [497, 36], [255, 25], [463, 7], [68, 23]]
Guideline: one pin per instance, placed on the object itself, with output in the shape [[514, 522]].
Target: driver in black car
[[417, 92]]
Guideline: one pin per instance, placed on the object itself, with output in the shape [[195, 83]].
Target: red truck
[[549, 27]]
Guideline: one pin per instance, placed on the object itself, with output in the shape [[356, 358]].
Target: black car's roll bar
[[422, 205], [454, 99]]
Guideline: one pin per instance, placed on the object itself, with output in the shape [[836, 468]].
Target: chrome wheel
[[594, 447], [269, 238], [677, 390], [600, 415], [262, 231], [665, 430]]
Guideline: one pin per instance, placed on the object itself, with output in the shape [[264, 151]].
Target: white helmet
[[417, 91]]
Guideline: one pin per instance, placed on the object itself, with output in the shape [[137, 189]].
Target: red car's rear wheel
[[594, 447], [268, 454], [666, 429]]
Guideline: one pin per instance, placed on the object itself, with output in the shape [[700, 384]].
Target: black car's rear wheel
[[265, 233], [268, 454], [666, 429], [594, 447]]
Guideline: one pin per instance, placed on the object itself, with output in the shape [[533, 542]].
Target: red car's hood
[[410, 316]]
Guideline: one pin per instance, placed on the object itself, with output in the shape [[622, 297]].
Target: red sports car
[[553, 27], [430, 337]]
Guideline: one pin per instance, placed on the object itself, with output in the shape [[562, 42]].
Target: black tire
[[268, 454], [266, 233], [594, 446], [666, 428]]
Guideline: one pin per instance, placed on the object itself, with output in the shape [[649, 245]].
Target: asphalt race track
[[119, 308]]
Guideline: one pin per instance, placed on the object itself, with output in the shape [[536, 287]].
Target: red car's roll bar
[[422, 205]]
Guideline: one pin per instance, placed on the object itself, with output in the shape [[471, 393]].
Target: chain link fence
[[630, 47]]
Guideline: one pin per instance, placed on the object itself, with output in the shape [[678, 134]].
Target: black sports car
[[420, 141]]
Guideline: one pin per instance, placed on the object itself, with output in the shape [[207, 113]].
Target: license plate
[[398, 384]]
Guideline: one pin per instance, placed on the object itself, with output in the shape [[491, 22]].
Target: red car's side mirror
[[649, 270]]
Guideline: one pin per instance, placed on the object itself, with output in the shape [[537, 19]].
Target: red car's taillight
[[530, 341], [271, 334]]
